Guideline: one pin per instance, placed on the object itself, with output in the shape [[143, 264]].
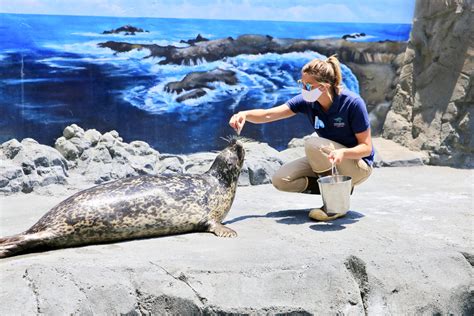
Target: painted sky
[[368, 11]]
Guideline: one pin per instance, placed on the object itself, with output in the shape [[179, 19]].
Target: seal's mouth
[[240, 151]]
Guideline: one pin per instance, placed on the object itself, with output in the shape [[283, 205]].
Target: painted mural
[[171, 82]]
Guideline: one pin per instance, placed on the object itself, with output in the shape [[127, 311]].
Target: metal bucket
[[336, 192]]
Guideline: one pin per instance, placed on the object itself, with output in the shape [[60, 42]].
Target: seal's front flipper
[[221, 230]]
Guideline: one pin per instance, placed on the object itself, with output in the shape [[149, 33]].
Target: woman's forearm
[[257, 116], [357, 152]]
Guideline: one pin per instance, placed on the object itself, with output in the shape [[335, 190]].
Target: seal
[[138, 207]]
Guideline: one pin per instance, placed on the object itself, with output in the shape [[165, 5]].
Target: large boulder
[[432, 108], [108, 158], [27, 165], [199, 163], [261, 162], [12, 178], [169, 163]]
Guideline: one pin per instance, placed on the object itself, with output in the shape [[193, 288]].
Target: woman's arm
[[362, 149], [259, 116]]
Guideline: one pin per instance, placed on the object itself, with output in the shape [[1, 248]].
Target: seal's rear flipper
[[10, 245], [17, 244], [221, 230]]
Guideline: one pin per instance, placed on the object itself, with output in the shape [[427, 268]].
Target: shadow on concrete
[[338, 224], [297, 217]]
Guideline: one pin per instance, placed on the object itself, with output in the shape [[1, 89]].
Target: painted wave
[[264, 79]]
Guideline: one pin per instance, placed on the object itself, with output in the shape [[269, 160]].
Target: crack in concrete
[[32, 285], [182, 277], [357, 268], [68, 276]]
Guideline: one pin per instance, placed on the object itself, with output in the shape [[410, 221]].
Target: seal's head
[[228, 163]]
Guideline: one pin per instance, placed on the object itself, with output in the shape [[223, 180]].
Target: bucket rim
[[328, 179]]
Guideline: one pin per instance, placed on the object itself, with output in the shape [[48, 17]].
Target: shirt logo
[[318, 123], [339, 122]]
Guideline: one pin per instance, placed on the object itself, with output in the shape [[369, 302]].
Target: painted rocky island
[[374, 63]]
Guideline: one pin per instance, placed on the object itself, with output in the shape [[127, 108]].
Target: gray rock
[[199, 163], [81, 143], [118, 153], [68, 132], [170, 164], [29, 141], [106, 157], [261, 162], [114, 134], [108, 138], [11, 177], [98, 172], [66, 148], [376, 81], [377, 118], [11, 148], [140, 148], [391, 154], [74, 141], [93, 136], [244, 178], [28, 165], [434, 94], [73, 130]]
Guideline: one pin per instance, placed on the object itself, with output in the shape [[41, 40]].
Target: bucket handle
[[334, 169]]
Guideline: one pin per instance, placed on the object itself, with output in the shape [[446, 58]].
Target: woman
[[341, 121]]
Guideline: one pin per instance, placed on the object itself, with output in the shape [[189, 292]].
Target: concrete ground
[[406, 247]]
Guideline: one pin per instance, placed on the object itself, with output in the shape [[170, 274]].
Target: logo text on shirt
[[338, 122]]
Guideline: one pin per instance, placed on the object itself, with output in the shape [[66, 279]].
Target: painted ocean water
[[53, 73]]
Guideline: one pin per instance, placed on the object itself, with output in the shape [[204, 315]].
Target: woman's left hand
[[336, 156]]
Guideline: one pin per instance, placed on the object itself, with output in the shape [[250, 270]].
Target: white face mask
[[311, 96]]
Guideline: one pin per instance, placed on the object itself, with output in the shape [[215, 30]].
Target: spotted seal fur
[[138, 207]]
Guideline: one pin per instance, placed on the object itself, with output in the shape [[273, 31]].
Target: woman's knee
[[316, 158], [289, 185], [279, 183]]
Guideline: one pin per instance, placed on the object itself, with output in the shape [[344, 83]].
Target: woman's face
[[309, 81]]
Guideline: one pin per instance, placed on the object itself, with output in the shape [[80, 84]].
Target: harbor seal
[[138, 207]]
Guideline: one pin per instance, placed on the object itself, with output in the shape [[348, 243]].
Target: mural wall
[[174, 82]]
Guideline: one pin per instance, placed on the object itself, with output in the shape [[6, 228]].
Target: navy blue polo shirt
[[346, 117]]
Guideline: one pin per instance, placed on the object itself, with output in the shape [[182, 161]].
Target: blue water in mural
[[52, 74]]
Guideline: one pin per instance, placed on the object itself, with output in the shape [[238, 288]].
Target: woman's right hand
[[237, 121]]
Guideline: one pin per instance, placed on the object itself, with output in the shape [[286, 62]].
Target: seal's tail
[[16, 244]]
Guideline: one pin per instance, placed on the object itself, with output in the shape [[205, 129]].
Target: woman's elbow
[[368, 150]]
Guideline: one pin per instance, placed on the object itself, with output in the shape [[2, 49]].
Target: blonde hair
[[326, 71]]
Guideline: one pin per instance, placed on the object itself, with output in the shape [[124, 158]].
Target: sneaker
[[319, 214]]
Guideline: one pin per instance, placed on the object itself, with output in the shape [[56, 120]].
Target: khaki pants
[[293, 176]]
